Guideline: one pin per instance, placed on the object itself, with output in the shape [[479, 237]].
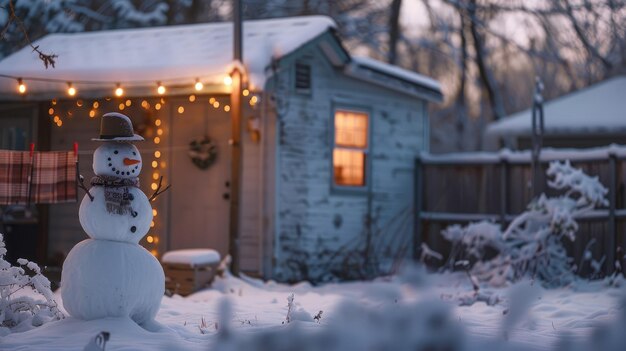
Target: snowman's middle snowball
[[98, 223]]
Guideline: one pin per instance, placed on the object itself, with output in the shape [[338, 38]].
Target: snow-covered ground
[[258, 308]]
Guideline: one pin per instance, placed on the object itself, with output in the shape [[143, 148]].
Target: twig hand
[[81, 184], [158, 190]]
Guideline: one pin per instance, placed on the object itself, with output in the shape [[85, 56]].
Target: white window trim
[[367, 167]]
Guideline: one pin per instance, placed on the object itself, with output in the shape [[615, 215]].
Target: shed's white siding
[[315, 222]]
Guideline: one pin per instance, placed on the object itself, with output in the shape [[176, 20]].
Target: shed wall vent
[[303, 77]]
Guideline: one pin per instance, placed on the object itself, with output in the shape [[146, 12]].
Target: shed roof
[[174, 54], [178, 55], [402, 79], [598, 109]]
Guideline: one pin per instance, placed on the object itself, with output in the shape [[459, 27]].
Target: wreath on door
[[202, 152]]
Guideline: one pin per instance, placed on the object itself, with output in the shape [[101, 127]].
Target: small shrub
[[532, 243], [21, 311]]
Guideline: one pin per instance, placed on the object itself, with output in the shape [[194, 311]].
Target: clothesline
[[143, 150]]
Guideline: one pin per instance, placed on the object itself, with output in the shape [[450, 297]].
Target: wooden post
[[235, 142], [504, 187], [611, 239], [417, 198]]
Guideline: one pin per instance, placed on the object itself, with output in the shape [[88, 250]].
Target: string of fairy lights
[[154, 103], [118, 90]]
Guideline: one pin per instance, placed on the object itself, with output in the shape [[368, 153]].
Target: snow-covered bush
[[532, 244], [20, 311], [473, 242]]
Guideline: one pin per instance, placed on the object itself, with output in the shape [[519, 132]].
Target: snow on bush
[[17, 311], [531, 245]]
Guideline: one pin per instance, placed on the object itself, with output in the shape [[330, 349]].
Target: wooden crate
[[184, 279]]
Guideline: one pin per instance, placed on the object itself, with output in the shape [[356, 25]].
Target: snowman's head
[[117, 159]]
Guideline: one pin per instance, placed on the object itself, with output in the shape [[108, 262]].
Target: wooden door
[[198, 211]]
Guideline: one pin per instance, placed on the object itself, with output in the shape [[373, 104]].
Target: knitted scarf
[[116, 194]]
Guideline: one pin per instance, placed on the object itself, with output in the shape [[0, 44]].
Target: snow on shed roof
[[600, 108], [174, 54], [399, 72]]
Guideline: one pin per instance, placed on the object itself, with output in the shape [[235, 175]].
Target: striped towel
[[15, 170], [45, 178], [54, 177]]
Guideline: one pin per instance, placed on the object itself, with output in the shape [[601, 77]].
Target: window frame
[[348, 106]]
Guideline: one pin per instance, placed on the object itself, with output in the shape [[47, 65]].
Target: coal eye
[[115, 152], [134, 153]]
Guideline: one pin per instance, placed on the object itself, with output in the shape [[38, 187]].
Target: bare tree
[[394, 30]]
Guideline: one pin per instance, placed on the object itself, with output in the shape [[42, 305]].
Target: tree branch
[[47, 59]]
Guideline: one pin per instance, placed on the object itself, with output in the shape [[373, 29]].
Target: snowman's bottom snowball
[[104, 278]]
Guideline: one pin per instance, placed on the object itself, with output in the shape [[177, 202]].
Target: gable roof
[[174, 54], [178, 55], [397, 78], [597, 109]]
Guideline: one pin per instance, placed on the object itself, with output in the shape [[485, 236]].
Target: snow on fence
[[469, 187]]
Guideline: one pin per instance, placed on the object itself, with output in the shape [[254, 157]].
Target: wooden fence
[[463, 188]]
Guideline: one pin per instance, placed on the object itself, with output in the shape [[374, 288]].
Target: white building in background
[[593, 116]]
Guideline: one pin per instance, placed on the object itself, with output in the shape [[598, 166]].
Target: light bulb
[[71, 91], [198, 85], [228, 80], [21, 87], [160, 88], [119, 91]]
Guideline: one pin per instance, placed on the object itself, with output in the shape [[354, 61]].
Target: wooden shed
[[329, 139]]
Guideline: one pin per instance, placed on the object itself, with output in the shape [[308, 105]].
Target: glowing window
[[350, 148]]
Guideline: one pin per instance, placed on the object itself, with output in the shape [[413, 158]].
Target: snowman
[[110, 274]]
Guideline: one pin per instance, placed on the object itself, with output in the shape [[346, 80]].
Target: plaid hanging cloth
[[15, 171], [54, 178]]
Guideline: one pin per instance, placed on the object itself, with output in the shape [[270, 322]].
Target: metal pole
[[537, 136], [235, 142]]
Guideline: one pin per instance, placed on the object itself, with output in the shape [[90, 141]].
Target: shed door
[[198, 210]]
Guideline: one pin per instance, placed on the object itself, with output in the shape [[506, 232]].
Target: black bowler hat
[[117, 127]]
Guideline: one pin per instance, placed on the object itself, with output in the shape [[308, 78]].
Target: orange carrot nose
[[130, 161]]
